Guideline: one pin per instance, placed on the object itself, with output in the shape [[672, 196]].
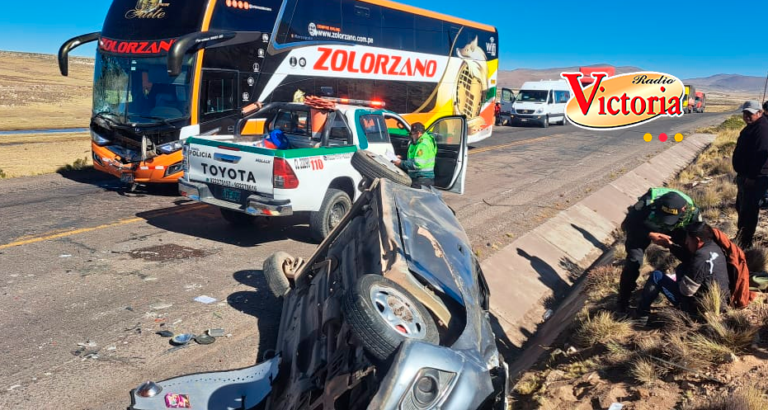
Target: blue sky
[[675, 37]]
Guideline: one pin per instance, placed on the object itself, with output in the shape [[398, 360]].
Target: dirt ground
[[716, 363], [34, 95], [37, 154]]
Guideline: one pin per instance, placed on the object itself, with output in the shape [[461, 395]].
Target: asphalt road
[[91, 272]]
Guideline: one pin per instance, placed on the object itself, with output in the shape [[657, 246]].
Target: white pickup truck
[[315, 175]]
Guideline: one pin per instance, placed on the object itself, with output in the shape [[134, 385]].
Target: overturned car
[[391, 312]]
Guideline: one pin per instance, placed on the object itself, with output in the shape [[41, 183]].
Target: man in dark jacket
[[750, 161], [660, 216], [703, 266]]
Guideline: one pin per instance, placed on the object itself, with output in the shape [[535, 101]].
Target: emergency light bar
[[348, 101]]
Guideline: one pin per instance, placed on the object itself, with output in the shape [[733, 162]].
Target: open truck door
[[450, 135]]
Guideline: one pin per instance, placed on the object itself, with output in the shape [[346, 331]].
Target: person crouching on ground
[[703, 266], [659, 216], [420, 163], [750, 161]]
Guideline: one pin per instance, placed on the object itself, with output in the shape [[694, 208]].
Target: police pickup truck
[[245, 179]]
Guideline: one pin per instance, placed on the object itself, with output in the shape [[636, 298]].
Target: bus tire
[[373, 166], [335, 206], [377, 324], [237, 219]]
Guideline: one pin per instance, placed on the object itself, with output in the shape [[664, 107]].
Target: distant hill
[[516, 78], [729, 82]]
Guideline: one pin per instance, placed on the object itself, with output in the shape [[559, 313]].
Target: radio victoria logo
[[624, 100]]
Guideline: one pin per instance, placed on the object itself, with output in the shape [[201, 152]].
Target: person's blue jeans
[[657, 283]]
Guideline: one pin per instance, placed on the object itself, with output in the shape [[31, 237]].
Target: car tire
[[335, 206], [380, 330], [237, 219], [275, 272], [373, 166], [545, 123]]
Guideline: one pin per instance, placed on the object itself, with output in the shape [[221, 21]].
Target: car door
[[450, 135]]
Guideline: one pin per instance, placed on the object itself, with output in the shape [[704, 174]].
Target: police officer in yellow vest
[[420, 163]]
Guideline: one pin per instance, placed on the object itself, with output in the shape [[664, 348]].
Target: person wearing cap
[[703, 265], [750, 161], [420, 163], [660, 216]]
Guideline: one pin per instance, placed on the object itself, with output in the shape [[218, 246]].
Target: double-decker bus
[[169, 69]]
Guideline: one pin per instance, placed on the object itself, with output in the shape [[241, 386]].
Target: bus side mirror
[[70, 45], [191, 43]]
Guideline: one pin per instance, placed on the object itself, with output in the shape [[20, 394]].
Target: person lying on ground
[[703, 265]]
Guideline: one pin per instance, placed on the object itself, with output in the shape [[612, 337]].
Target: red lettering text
[[578, 91]]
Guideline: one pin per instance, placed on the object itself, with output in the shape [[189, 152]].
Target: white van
[[541, 103]]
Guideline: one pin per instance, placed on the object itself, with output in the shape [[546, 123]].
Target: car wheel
[[277, 267], [545, 123], [237, 219], [335, 206], [382, 315], [373, 166]]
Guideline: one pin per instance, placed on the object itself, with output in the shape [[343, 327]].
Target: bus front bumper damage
[[254, 204], [161, 169]]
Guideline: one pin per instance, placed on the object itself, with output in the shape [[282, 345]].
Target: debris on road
[[205, 299], [204, 339], [182, 339], [160, 305], [165, 333], [215, 332], [65, 256], [88, 343], [15, 386]]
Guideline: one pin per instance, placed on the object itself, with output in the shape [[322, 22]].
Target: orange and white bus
[[169, 69]]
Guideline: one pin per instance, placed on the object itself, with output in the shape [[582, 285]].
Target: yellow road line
[[48, 237], [511, 144]]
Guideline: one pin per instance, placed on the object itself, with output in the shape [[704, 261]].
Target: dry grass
[[746, 398], [2, 174], [711, 303], [644, 371], [528, 385], [79, 165], [50, 153], [757, 259], [601, 328], [706, 197], [603, 282], [733, 330]]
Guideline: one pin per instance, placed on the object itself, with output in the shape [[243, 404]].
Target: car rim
[[337, 213], [398, 312], [387, 164]]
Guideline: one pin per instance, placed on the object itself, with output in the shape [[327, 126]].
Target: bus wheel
[[237, 219], [335, 207], [373, 166]]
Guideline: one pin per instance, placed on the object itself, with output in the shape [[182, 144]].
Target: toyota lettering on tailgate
[[229, 177]]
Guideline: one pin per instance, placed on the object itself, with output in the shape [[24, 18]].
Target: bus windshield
[[537, 96], [139, 90]]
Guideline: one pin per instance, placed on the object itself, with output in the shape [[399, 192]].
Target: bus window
[[374, 127], [429, 36], [397, 29], [311, 20], [218, 93], [362, 21]]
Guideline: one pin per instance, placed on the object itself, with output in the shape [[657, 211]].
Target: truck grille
[[525, 111]]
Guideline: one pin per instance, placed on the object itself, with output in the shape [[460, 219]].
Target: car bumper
[[161, 169], [254, 204], [528, 117]]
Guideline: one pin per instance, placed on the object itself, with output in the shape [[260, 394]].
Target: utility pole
[[765, 87]]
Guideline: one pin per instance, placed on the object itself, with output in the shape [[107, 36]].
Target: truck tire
[[382, 315], [335, 206], [373, 166], [545, 123], [275, 271], [237, 219]]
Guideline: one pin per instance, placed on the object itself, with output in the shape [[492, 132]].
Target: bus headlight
[[98, 139], [170, 147]]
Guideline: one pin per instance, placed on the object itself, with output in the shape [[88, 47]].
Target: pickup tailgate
[[230, 170]]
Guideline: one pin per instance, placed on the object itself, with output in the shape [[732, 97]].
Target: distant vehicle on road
[[169, 70], [541, 103], [688, 99], [699, 102], [587, 71], [507, 99]]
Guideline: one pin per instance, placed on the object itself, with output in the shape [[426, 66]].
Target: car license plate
[[524, 119], [231, 195], [126, 178]]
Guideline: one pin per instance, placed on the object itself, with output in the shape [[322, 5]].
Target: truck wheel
[[373, 166], [335, 206], [237, 219], [545, 123], [382, 315], [276, 268]]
